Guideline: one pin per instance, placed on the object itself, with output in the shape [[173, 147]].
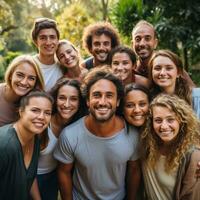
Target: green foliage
[[72, 21]]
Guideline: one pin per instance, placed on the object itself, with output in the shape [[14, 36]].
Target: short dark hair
[[100, 73], [122, 49], [43, 23], [37, 93], [76, 84], [100, 28]]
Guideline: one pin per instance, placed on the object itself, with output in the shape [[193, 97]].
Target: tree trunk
[[185, 58]]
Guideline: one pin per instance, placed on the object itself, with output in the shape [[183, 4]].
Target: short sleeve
[[196, 101], [64, 151]]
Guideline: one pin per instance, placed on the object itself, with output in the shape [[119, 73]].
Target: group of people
[[118, 125]]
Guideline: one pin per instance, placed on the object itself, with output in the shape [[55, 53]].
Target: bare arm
[[133, 179], [65, 180], [35, 193]]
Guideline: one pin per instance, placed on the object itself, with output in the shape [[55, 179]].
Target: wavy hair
[[188, 136]]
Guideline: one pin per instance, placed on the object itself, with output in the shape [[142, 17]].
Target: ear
[[118, 102], [155, 43], [20, 112], [87, 102]]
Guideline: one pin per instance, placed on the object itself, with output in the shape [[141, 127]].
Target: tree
[[176, 22], [72, 21]]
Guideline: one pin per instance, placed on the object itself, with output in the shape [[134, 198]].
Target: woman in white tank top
[[68, 107]]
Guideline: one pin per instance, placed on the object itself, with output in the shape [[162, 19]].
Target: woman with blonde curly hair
[[22, 76], [167, 75], [170, 144]]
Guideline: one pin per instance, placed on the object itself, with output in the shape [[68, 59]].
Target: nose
[[142, 42], [162, 71], [41, 115], [164, 125], [67, 103], [24, 81], [137, 109], [102, 100]]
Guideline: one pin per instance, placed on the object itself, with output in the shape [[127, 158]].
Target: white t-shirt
[[51, 73]]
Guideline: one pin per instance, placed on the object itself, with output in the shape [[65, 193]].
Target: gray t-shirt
[[100, 163]]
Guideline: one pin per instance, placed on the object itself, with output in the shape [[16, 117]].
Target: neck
[[24, 137], [46, 59], [97, 63], [169, 90], [74, 72], [10, 95], [128, 80], [58, 123], [104, 129]]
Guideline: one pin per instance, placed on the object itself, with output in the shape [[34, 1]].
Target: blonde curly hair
[[188, 136]]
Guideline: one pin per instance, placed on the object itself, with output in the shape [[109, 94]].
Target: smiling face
[[164, 73], [23, 79], [67, 102], [67, 56], [36, 116], [136, 107], [144, 41], [101, 46], [47, 42], [122, 66], [103, 100], [165, 123]]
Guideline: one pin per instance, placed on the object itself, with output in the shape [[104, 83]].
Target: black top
[[15, 179]]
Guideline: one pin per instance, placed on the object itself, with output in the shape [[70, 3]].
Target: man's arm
[[65, 180], [133, 179], [35, 193]]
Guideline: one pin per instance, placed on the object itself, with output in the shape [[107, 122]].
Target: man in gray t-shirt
[[99, 147]]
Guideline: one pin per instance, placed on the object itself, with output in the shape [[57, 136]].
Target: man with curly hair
[[99, 39]]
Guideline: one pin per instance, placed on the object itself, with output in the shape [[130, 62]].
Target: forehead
[[47, 31], [68, 90], [144, 30], [136, 95], [163, 60], [25, 67], [64, 47], [121, 55], [100, 38], [103, 86], [162, 111], [39, 102]]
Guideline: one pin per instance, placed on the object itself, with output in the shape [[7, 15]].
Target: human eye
[[129, 105], [61, 97], [109, 95], [61, 56], [32, 78], [157, 68], [171, 120], [35, 110], [42, 37], [75, 98], [106, 43], [52, 37], [96, 95], [115, 63], [20, 75], [169, 68], [96, 44], [148, 38], [48, 112], [142, 104], [137, 39], [158, 120]]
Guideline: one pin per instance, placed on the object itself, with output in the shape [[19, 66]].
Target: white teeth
[[137, 117], [102, 54], [38, 124]]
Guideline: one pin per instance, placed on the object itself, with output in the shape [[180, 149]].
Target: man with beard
[[99, 39], [144, 41], [45, 35], [99, 148]]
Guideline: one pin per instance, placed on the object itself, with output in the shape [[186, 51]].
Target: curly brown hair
[[100, 28], [182, 87], [188, 136]]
